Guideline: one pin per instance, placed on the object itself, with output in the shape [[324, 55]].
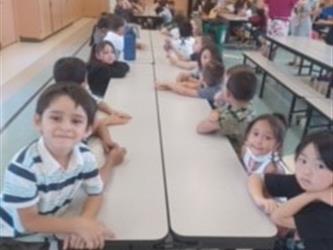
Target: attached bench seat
[[295, 85], [292, 83]]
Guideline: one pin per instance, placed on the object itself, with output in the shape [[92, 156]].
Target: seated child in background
[[233, 117], [209, 53], [100, 29], [309, 208], [192, 63], [103, 65], [73, 70], [182, 46], [116, 35], [43, 178], [263, 141], [211, 80], [163, 10]]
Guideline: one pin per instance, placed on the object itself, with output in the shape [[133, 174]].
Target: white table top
[[206, 184], [314, 49], [134, 205]]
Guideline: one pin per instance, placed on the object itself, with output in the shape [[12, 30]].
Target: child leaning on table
[[233, 117], [210, 84], [309, 191], [43, 177], [74, 70]]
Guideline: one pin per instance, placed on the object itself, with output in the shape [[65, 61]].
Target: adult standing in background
[[278, 13]]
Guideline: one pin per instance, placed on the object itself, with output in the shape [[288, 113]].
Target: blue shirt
[[208, 93]]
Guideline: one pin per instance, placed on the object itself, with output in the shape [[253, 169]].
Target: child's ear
[[88, 132]]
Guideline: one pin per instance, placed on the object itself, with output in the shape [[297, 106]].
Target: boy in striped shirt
[[43, 178]]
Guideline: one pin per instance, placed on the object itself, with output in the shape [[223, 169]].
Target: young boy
[[212, 75], [72, 69], [309, 208], [42, 179], [232, 118]]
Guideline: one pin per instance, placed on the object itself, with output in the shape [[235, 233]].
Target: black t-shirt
[[329, 36], [314, 222], [99, 75]]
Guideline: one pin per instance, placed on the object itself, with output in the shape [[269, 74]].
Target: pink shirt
[[280, 9]]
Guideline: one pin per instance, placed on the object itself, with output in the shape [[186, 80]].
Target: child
[[42, 179], [191, 64], [261, 152], [182, 46], [116, 35], [232, 118], [309, 208], [100, 29], [73, 70], [211, 82], [103, 65], [209, 53]]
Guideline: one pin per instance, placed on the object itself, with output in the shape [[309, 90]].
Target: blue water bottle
[[130, 44]]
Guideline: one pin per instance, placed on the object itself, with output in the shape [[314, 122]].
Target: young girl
[[261, 152], [208, 54], [309, 208], [191, 64], [103, 65]]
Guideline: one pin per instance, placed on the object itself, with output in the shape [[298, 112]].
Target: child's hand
[[122, 115], [108, 145], [214, 116], [115, 120], [182, 77], [91, 232], [267, 205], [73, 241], [163, 86], [116, 156], [140, 46]]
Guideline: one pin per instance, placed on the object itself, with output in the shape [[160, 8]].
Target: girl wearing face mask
[[263, 143]]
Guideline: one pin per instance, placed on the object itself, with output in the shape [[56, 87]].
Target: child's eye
[[321, 166], [77, 121], [255, 133], [55, 118], [268, 138]]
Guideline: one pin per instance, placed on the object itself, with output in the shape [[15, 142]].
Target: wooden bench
[[296, 87]]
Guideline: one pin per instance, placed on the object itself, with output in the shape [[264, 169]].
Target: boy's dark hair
[[323, 142], [104, 22], [214, 51], [116, 22], [278, 124], [70, 69], [213, 73], [242, 84], [76, 93]]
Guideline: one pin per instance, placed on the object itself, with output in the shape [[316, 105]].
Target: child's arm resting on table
[[257, 192], [284, 214], [90, 231]]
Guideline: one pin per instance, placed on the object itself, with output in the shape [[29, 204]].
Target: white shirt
[[118, 43], [184, 47]]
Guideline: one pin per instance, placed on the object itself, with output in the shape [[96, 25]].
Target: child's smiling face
[[63, 124]]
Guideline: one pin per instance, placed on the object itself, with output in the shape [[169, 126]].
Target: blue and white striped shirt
[[35, 178]]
